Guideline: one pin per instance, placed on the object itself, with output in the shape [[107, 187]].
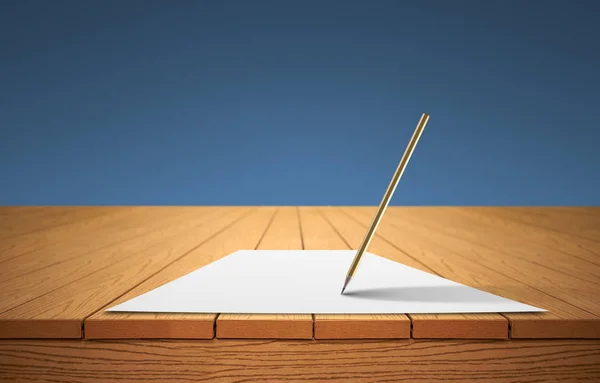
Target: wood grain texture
[[229, 361], [22, 220], [362, 326], [459, 326], [119, 271], [318, 234], [151, 326], [573, 263], [585, 251], [58, 266], [353, 230], [264, 326], [27, 243], [489, 267], [581, 223], [60, 247], [242, 234], [283, 233]]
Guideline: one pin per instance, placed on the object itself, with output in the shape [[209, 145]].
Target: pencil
[[386, 198]]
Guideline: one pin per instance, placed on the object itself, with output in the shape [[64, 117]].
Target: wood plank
[[243, 234], [560, 274], [353, 232], [468, 264], [582, 223], [135, 236], [228, 361], [319, 235], [551, 326], [283, 234], [460, 326], [577, 226], [581, 216], [29, 242], [362, 326], [585, 250], [19, 211], [31, 253], [50, 216], [264, 326], [60, 309], [151, 326]]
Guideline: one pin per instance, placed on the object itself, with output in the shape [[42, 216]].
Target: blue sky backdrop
[[144, 102]]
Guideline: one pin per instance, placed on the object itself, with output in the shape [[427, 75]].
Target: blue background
[[298, 102]]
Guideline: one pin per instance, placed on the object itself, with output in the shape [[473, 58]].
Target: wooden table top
[[60, 267]]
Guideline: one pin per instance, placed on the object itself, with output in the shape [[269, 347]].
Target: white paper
[[310, 282]]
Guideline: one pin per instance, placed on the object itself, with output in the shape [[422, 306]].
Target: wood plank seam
[[267, 228], [334, 228], [303, 248], [300, 228]]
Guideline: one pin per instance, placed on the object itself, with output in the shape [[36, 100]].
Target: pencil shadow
[[456, 294]]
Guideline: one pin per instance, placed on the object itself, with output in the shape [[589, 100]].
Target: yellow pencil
[[387, 197]]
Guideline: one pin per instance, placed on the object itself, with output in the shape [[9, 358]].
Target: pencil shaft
[[388, 194]]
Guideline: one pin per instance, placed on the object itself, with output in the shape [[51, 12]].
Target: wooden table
[[60, 267]]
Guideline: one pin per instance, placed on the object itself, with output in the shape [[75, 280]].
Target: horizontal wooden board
[[458, 326], [151, 326], [362, 326], [264, 326], [229, 361]]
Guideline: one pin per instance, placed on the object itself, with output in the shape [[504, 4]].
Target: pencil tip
[[345, 284]]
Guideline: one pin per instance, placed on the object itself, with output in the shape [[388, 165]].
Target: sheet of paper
[[309, 282]]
